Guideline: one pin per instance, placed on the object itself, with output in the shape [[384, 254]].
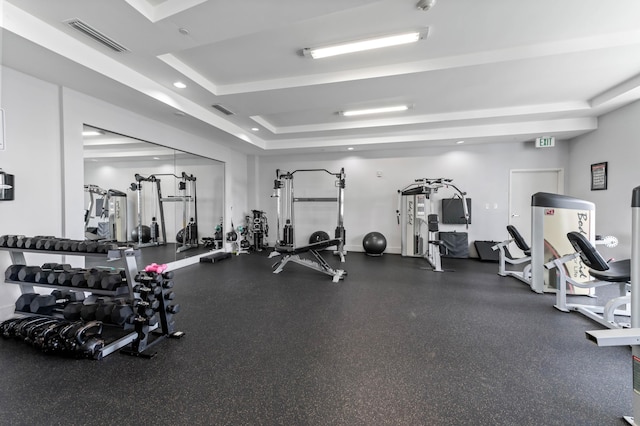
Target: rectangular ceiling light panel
[[362, 45]]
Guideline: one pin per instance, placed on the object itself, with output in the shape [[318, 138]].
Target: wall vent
[[222, 109], [87, 30]]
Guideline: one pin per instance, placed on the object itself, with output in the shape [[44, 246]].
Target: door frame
[[560, 189]]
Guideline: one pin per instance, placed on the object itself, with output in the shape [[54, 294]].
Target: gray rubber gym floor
[[393, 344]]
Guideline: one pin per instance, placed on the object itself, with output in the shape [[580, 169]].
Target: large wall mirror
[[166, 202]]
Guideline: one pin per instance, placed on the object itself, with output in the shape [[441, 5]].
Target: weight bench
[[292, 254], [505, 257], [605, 273]]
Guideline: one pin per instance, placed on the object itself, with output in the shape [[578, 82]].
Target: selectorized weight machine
[[417, 212], [111, 211], [285, 245]]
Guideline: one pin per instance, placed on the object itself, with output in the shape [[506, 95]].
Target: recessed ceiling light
[[91, 133], [460, 142], [381, 110], [180, 85], [350, 148], [180, 114], [362, 45], [255, 129], [156, 158], [183, 31]]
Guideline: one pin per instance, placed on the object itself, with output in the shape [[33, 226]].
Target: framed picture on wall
[[599, 176]]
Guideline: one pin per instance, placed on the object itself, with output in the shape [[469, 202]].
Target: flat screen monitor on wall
[[452, 211]]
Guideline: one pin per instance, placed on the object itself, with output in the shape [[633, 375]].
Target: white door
[[522, 185]]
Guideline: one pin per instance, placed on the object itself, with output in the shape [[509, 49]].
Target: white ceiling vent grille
[[77, 24], [222, 109]]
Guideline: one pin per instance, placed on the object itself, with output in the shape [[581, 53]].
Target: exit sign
[[545, 142]]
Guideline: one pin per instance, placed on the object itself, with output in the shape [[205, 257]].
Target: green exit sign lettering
[[545, 142]]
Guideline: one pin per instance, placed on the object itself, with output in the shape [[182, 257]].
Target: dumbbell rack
[[136, 339]]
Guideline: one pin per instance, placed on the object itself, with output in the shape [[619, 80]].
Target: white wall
[[617, 142], [44, 151], [371, 202]]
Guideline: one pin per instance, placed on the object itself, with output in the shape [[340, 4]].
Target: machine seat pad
[[618, 272], [315, 246]]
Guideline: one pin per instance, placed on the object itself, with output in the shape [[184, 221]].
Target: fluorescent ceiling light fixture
[[91, 133], [361, 45], [350, 148], [255, 129], [381, 110], [460, 142], [180, 85]]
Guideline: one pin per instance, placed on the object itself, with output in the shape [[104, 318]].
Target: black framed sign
[[599, 176]]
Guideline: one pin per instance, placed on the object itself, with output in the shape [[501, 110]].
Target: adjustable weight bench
[[604, 273], [292, 254]]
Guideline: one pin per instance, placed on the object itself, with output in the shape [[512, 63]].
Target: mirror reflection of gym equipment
[[419, 221], [155, 234], [285, 244], [106, 215]]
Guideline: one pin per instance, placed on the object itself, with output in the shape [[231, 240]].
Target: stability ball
[[146, 234], [318, 236], [374, 243]]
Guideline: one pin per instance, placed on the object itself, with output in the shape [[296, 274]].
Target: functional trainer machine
[[523, 275], [417, 212], [186, 195], [629, 336], [285, 245]]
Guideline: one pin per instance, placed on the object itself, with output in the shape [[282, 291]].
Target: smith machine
[[285, 246]]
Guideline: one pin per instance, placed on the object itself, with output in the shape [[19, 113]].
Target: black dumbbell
[[91, 246], [167, 284], [173, 309], [103, 313], [170, 295], [104, 247], [168, 275], [31, 242], [52, 278], [112, 281], [50, 244], [122, 313], [12, 240], [3, 240], [88, 311], [42, 277], [43, 304], [79, 279], [72, 311], [11, 274], [61, 243], [94, 280], [66, 296], [65, 277], [28, 273], [23, 304]]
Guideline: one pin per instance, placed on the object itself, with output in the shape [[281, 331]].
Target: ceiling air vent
[[77, 24], [222, 109]]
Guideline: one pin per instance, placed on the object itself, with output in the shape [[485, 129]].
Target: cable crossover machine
[[157, 234], [417, 212], [285, 246]]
